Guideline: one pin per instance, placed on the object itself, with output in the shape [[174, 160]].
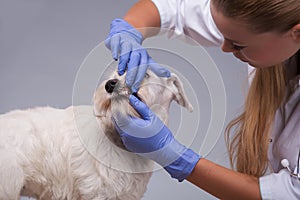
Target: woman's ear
[[295, 31]]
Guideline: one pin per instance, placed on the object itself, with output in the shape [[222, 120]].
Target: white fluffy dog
[[76, 153]]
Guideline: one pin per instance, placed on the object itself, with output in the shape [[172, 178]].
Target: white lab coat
[[193, 18]]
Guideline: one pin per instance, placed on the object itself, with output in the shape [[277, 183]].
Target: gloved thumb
[[120, 120], [141, 107], [158, 69]]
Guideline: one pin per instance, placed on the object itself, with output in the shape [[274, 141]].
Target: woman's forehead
[[232, 29]]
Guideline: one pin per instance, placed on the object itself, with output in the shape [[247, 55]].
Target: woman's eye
[[147, 75], [237, 47]]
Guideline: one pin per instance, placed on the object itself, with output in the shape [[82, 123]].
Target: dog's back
[[33, 150], [41, 150]]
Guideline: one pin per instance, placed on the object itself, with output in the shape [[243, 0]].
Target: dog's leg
[[11, 176]]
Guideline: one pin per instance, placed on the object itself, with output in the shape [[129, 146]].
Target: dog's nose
[[110, 85]]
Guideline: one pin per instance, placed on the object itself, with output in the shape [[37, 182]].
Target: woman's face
[[259, 50]]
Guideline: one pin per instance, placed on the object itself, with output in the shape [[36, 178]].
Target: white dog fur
[[76, 153]]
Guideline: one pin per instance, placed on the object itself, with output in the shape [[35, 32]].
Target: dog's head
[[111, 96], [156, 92]]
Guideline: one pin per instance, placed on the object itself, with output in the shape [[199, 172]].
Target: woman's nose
[[227, 47], [110, 85]]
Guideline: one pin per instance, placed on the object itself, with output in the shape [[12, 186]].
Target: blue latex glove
[[126, 41], [150, 138]]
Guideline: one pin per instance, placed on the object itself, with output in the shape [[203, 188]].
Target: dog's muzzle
[[110, 85]]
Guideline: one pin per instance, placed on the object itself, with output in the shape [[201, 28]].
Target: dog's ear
[[178, 92]]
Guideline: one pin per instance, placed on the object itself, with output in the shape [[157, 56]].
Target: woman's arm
[[224, 183], [144, 14], [158, 143]]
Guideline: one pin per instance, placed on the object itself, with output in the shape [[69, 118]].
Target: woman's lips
[[240, 57], [244, 60]]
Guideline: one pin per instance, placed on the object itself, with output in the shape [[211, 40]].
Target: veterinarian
[[263, 33]]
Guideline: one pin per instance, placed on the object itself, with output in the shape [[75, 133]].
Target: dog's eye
[[147, 75]]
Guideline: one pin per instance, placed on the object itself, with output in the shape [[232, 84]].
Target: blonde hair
[[248, 148], [262, 15]]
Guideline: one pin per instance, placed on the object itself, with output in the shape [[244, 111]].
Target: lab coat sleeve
[[189, 19], [278, 186]]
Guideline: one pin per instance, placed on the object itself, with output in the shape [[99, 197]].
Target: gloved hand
[[126, 41], [150, 138]]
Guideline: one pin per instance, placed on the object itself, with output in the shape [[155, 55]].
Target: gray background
[[42, 45]]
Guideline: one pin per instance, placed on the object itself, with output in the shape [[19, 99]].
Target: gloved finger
[[130, 126], [126, 49], [139, 78], [142, 69], [120, 121], [132, 68], [158, 69], [150, 125], [107, 42], [115, 46], [123, 63], [141, 108]]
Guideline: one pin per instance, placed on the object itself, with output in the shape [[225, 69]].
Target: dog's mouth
[[117, 88]]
